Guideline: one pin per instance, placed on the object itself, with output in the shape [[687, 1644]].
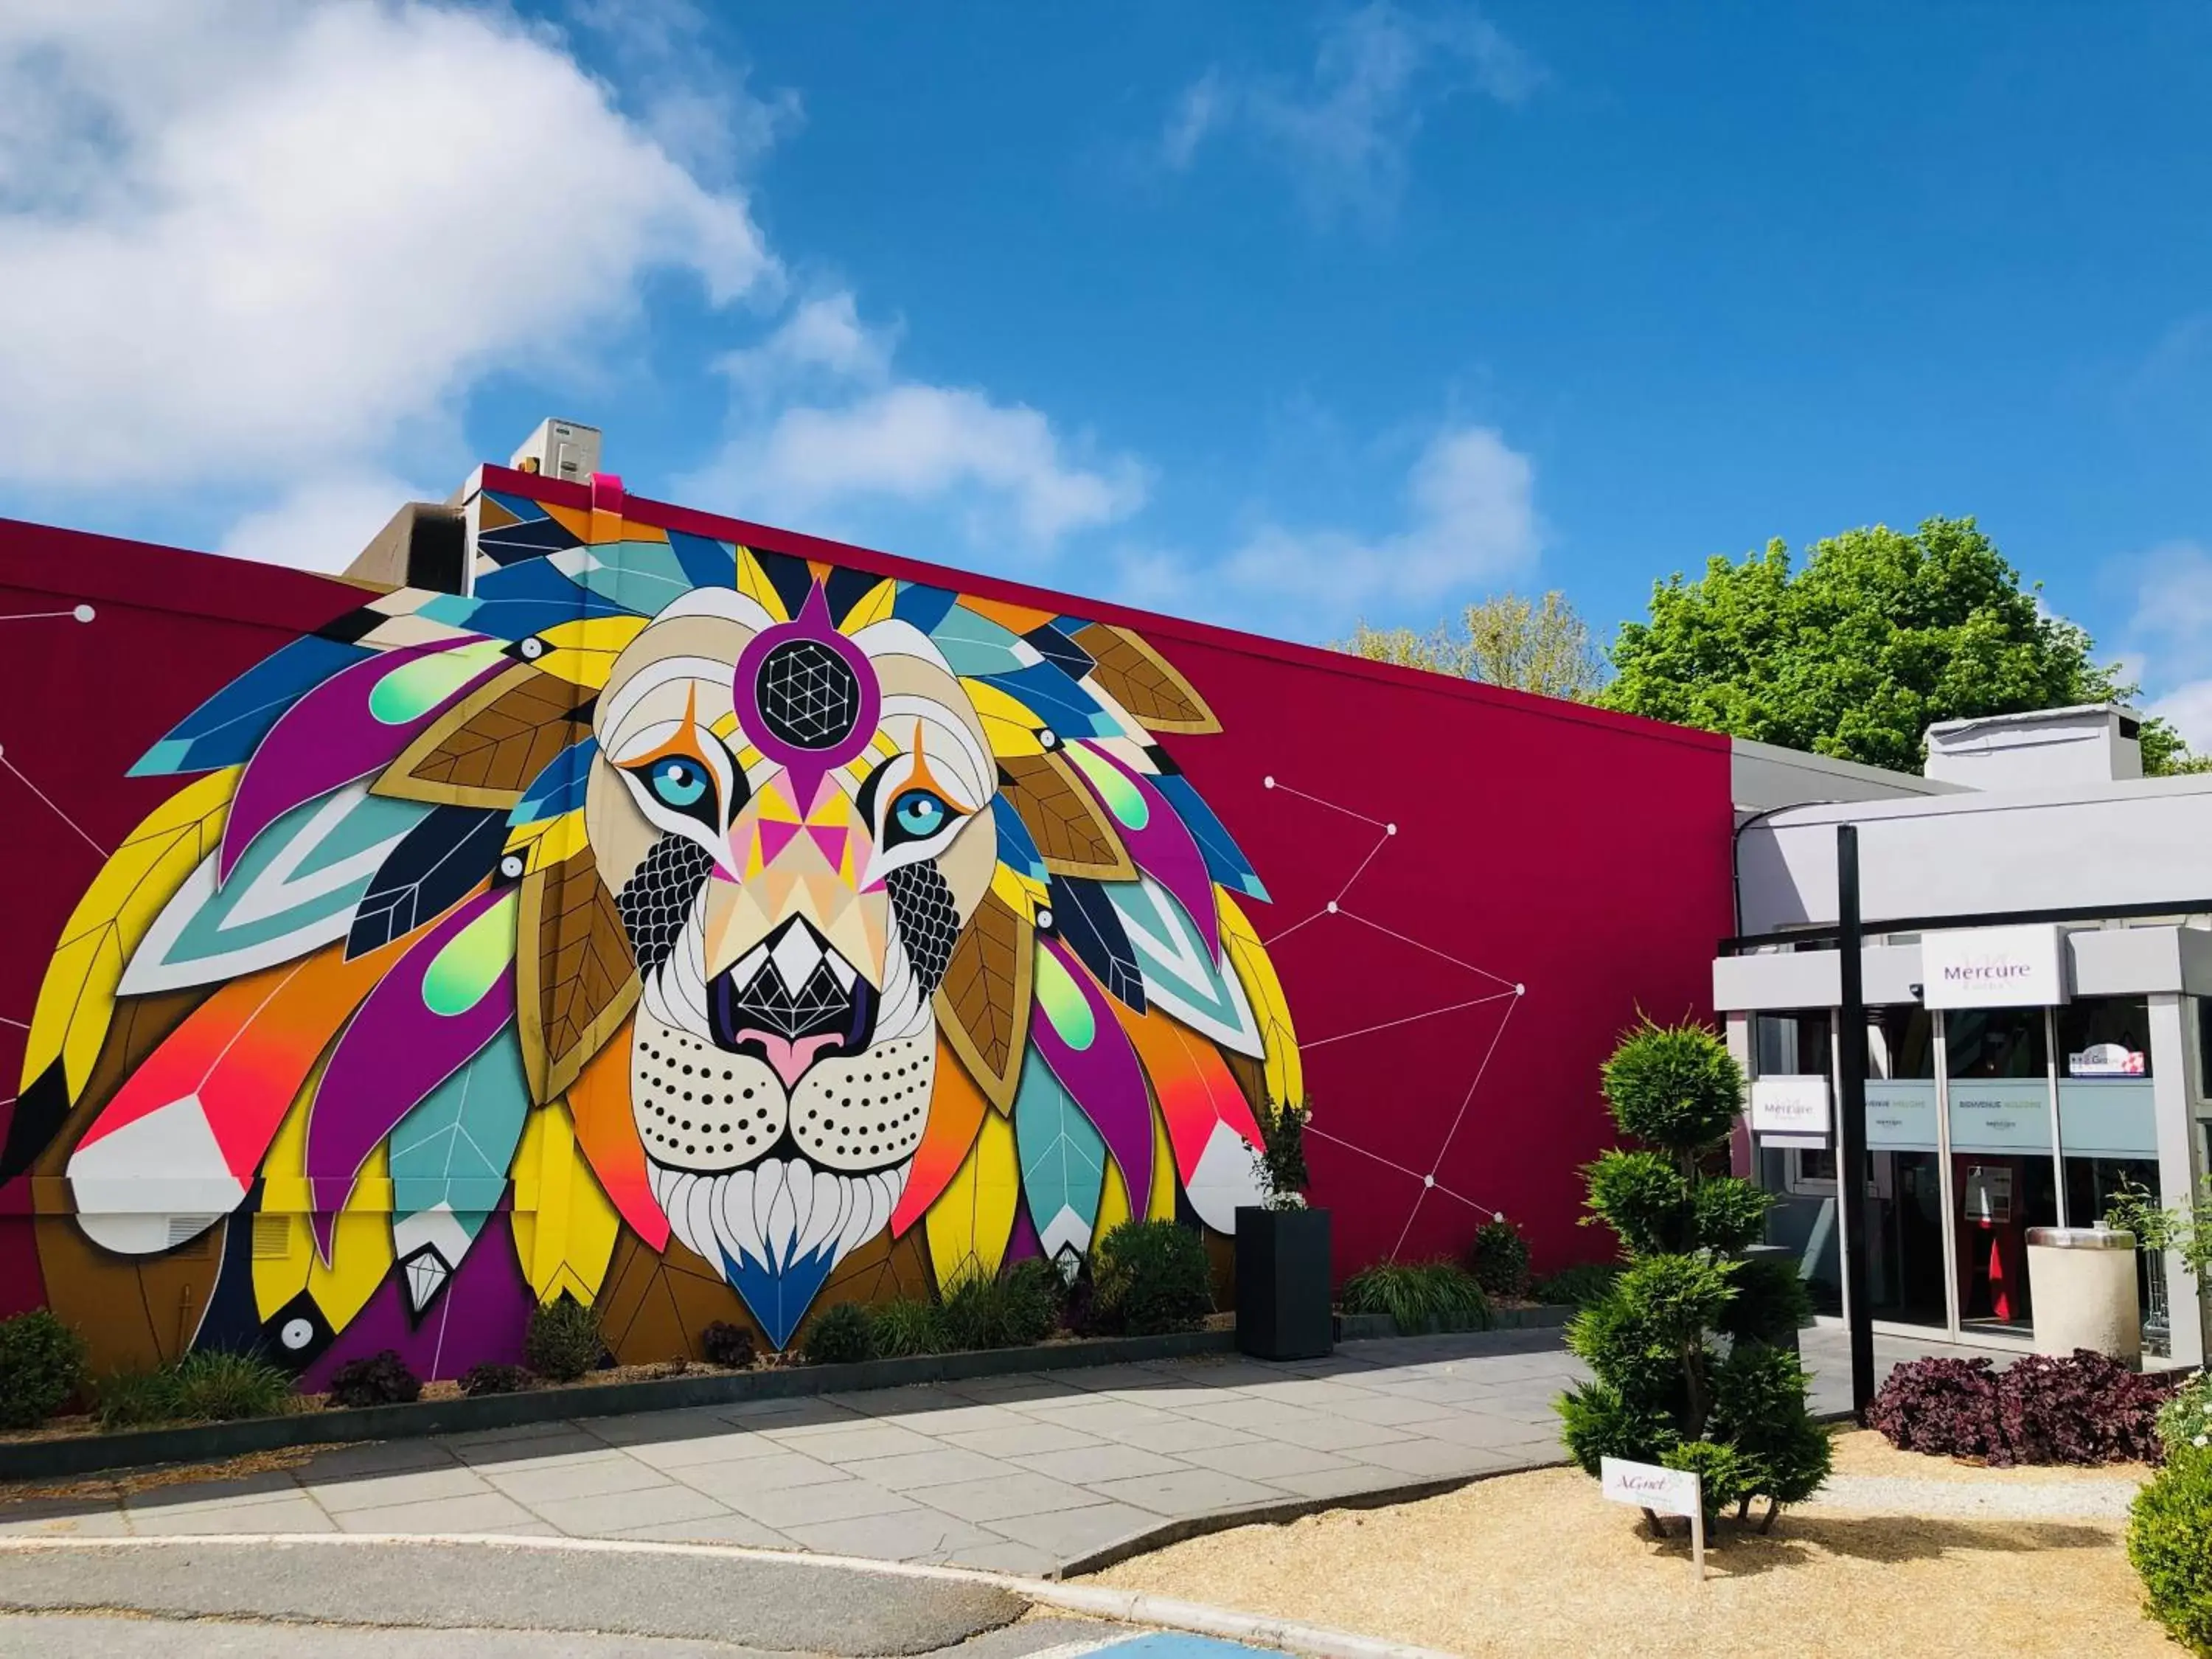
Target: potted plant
[[1283, 1251]]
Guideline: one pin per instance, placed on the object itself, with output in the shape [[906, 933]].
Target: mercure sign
[[1993, 968]]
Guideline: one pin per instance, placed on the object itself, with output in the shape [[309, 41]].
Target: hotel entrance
[[1981, 1124]]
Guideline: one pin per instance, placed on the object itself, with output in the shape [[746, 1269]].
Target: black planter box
[[1282, 1283]]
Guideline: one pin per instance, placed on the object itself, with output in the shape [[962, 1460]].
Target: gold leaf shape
[[1141, 681], [575, 980], [1073, 835], [983, 1006], [486, 749]]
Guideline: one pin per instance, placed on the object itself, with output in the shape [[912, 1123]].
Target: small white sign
[[2105, 1059], [1993, 968], [1790, 1105], [1664, 1491]]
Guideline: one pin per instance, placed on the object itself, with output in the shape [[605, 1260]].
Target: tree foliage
[[1879, 637], [1531, 644]]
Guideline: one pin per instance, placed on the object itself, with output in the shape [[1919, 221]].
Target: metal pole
[[1851, 1119]]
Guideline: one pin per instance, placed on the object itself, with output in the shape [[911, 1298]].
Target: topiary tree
[[1687, 1344]]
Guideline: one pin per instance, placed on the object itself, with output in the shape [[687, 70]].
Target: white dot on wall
[[1499, 1216], [1389, 828], [1520, 990], [82, 613], [1332, 907], [1428, 1181], [1268, 783]]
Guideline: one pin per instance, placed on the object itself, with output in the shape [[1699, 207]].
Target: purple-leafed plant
[[2082, 1409]]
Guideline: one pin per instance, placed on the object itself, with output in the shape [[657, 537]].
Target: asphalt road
[[369, 1600]]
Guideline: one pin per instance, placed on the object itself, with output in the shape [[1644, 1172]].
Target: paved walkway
[[1026, 1475]]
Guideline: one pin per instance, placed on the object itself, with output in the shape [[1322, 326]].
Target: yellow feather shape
[[973, 1217], [78, 997], [753, 583], [361, 1243], [564, 1223], [1286, 1083], [873, 606], [583, 652], [1010, 724]]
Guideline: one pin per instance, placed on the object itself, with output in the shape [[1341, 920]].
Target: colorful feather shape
[[1075, 1031], [972, 1219], [1063, 1161], [1143, 682], [1225, 860], [446, 997], [983, 1002], [975, 644], [432, 868], [1210, 1124], [486, 749], [1073, 834], [1156, 838], [305, 1296], [76, 999], [575, 979], [449, 1159], [1085, 917], [564, 1226], [294, 891], [1179, 967], [642, 577], [605, 1122], [1255, 975], [180, 1142], [1060, 705], [956, 1111], [350, 726], [225, 729]]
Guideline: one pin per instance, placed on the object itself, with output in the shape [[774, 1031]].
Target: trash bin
[[2082, 1282]]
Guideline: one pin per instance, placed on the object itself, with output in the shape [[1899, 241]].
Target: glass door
[[2003, 1175], [1905, 1236]]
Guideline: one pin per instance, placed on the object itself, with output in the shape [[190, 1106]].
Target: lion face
[[796, 823]]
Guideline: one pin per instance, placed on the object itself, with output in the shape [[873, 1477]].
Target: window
[[2105, 1037], [1790, 1044], [1997, 1043], [1810, 1170]]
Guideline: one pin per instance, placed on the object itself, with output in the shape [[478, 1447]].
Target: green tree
[[1530, 645], [1879, 637]]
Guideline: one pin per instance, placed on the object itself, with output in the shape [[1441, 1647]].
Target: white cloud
[[1345, 130], [2170, 635], [1471, 520], [848, 438], [321, 524], [245, 241]]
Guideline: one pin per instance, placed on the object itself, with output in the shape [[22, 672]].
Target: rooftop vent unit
[[2092, 743], [560, 449]]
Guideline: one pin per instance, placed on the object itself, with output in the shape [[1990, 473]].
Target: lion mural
[[661, 900]]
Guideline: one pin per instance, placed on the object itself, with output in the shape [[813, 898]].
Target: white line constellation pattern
[[1510, 994], [84, 613]]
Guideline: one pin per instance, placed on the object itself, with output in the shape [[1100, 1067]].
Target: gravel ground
[[1537, 1564]]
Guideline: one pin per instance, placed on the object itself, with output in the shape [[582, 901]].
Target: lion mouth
[[790, 1001]]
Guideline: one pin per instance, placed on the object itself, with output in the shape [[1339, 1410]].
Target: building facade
[[590, 896]]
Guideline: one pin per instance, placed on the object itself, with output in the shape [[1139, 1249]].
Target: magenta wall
[[1579, 855]]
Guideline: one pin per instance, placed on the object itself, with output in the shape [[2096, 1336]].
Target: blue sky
[[1283, 315]]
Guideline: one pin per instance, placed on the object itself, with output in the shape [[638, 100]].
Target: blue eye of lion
[[679, 783], [918, 814]]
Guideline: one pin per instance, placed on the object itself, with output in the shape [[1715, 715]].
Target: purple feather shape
[[353, 724], [451, 993], [1163, 848], [1101, 1073]]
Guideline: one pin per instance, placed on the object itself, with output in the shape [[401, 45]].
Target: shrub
[[379, 1379], [2186, 1418], [1576, 1286], [1151, 1277], [2170, 1544], [1282, 1157], [1419, 1296], [494, 1379], [564, 1340], [1500, 1259], [906, 1326], [2083, 1408], [213, 1386], [728, 1346], [1674, 1086], [1018, 1308], [1770, 1301], [41, 1366], [840, 1335], [1663, 1389], [128, 1399]]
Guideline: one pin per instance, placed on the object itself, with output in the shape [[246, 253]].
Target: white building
[[2061, 905]]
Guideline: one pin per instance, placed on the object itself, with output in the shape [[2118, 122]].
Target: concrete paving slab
[[727, 1528], [417, 1487], [1002, 1497], [1193, 1493], [1176, 1434], [730, 1446], [1334, 1434], [1088, 1463], [602, 1514], [842, 1499], [851, 1442], [1027, 1438], [476, 1512], [728, 1481], [298, 1513], [1265, 1460], [930, 1468], [535, 1486], [1069, 1533], [904, 1536]]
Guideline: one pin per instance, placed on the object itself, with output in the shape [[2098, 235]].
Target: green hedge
[[2169, 1542]]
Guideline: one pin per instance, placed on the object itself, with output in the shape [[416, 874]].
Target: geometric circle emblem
[[808, 696]]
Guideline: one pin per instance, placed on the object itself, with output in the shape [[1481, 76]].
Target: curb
[[1128, 1606], [208, 1443], [1380, 1326], [1279, 1513]]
